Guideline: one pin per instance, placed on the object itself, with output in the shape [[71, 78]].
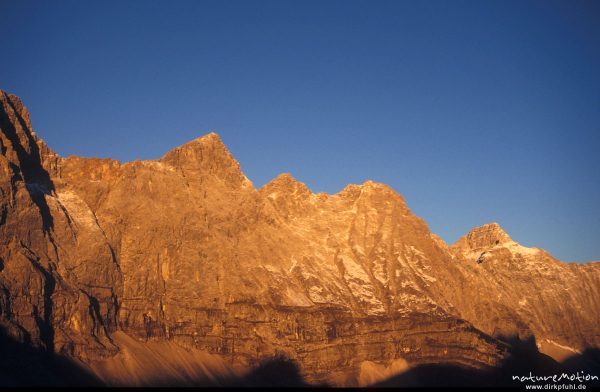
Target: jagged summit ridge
[[288, 183]]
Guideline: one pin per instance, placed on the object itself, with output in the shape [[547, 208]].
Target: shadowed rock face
[[184, 249]]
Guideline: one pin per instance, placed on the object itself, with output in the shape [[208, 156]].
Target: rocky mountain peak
[[285, 184], [207, 155], [15, 123], [207, 146], [491, 241], [17, 105], [373, 186], [371, 190], [211, 138], [21, 149], [482, 237]]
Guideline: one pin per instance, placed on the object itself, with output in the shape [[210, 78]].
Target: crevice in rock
[[96, 316], [44, 321]]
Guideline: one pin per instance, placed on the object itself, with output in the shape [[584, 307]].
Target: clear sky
[[475, 111]]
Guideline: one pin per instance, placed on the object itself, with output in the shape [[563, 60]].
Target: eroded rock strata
[[185, 249]]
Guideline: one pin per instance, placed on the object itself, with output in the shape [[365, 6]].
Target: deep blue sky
[[475, 111]]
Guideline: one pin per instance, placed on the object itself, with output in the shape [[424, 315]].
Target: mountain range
[[170, 271]]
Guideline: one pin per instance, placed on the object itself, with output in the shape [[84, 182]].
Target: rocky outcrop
[[60, 279], [527, 292], [186, 250]]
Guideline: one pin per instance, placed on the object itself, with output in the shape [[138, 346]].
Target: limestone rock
[[184, 250]]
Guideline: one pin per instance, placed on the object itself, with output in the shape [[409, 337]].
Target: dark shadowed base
[[524, 360], [23, 365]]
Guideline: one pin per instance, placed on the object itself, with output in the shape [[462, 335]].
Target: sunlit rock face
[[59, 278], [528, 292], [185, 250]]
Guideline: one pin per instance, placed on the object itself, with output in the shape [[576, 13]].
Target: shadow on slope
[[524, 359], [163, 363], [24, 365], [276, 372], [36, 178]]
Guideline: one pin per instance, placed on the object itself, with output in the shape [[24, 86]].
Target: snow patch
[[571, 349], [417, 251], [379, 272], [523, 302], [354, 270], [272, 268], [360, 285], [318, 295], [365, 294], [514, 247], [77, 209]]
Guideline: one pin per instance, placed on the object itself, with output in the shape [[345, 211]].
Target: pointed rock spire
[[19, 144], [207, 155]]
